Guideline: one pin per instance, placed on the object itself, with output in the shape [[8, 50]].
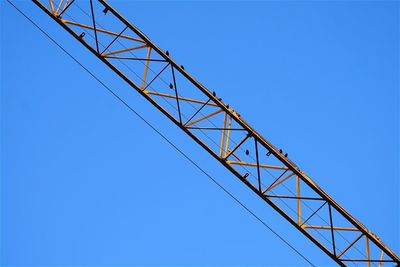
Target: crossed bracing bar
[[222, 132]]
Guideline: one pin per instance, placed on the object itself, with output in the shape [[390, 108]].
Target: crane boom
[[220, 130]]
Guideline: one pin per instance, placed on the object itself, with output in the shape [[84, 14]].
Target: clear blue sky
[[84, 182]]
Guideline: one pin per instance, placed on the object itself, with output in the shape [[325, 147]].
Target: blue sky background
[[84, 182]]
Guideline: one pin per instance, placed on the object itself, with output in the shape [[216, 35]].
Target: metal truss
[[220, 130]]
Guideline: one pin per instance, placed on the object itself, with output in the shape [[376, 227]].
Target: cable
[[162, 135]]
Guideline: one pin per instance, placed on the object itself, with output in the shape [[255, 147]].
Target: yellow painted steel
[[277, 183], [204, 117], [221, 147], [124, 50], [146, 69], [51, 6], [381, 258], [228, 136], [367, 251], [322, 227], [255, 165], [298, 200], [180, 98]]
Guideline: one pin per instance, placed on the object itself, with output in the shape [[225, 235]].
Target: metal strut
[[220, 130]]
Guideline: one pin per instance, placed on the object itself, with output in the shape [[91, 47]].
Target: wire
[[162, 135]]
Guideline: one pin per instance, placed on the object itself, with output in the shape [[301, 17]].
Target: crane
[[219, 129]]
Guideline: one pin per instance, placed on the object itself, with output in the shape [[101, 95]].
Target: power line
[[162, 135]]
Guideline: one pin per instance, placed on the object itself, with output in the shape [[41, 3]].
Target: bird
[[171, 86], [167, 53], [247, 152]]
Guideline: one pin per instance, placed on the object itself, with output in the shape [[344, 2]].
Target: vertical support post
[[228, 136], [51, 6], [381, 258], [367, 251], [298, 200], [221, 148], [258, 166], [146, 68]]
